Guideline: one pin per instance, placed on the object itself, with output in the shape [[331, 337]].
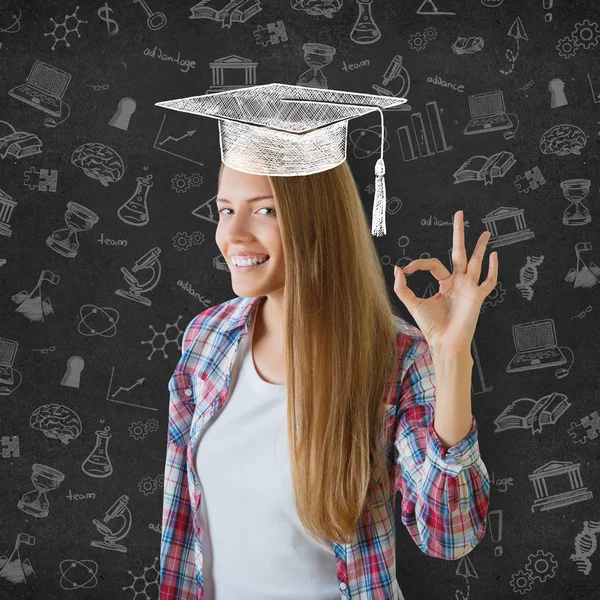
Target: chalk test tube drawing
[[511, 222], [128, 389], [57, 422], [556, 87], [98, 464], [78, 218], [516, 31], [574, 191], [121, 118], [44, 89], [482, 168], [17, 144], [78, 574], [14, 568], [136, 289], [72, 375], [118, 510], [42, 180], [528, 275], [489, 114], [135, 210], [421, 140], [99, 162], [540, 567], [562, 140], [585, 34], [365, 30], [31, 304], [10, 378], [10, 446], [317, 57], [565, 476], [583, 275], [536, 348], [530, 180], [44, 479], [527, 413], [586, 543], [98, 320]]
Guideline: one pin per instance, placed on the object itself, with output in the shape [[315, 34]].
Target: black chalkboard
[[107, 251]]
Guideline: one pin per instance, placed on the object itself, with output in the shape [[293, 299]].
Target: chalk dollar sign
[[111, 24]]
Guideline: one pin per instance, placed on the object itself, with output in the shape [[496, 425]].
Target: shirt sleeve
[[445, 491], [177, 553]]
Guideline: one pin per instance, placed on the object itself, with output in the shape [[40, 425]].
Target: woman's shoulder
[[216, 318]]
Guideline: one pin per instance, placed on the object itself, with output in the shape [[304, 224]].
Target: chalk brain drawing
[[56, 421], [563, 139], [99, 162]]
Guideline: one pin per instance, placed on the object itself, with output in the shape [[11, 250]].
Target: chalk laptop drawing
[[535, 343], [487, 113], [8, 350], [44, 88]]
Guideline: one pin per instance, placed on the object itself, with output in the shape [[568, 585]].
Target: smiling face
[[248, 224]]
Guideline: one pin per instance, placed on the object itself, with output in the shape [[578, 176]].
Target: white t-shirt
[[254, 546]]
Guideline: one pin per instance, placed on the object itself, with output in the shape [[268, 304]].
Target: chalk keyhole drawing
[[121, 118]]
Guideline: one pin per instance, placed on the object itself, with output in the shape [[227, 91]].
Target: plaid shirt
[[445, 491]]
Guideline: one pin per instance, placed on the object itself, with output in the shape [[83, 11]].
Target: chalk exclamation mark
[[494, 519]]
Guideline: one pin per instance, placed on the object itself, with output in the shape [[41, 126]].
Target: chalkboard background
[[86, 354]]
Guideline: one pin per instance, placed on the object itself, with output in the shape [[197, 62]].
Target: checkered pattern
[[445, 491]]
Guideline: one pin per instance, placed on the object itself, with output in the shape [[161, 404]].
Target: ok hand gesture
[[448, 319]]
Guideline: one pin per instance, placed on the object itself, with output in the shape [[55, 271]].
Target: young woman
[[301, 406]]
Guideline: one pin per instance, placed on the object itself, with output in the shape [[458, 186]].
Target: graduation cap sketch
[[288, 130]]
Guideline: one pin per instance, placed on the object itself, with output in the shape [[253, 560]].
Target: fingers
[[406, 295], [474, 266], [459, 254], [490, 281], [437, 268]]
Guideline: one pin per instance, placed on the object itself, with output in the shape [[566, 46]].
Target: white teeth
[[249, 262]]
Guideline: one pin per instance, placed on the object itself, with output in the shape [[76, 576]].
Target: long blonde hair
[[341, 339]]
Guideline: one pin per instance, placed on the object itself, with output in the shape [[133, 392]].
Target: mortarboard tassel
[[379, 202]]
